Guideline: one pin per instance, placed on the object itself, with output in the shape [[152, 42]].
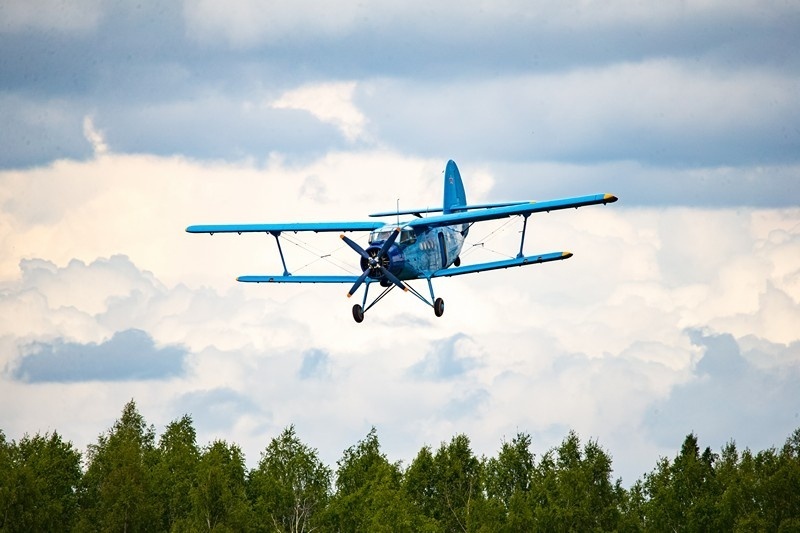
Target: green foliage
[[175, 475], [290, 487], [369, 494], [219, 499], [572, 489], [38, 478], [116, 492], [130, 484]]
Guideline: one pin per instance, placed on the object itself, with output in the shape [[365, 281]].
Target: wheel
[[358, 313], [438, 307], [457, 262]]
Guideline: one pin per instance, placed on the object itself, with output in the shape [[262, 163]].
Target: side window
[[407, 236]]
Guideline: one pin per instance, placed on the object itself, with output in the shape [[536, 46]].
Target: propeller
[[373, 262]]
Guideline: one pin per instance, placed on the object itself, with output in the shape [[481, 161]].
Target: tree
[[448, 485], [116, 492], [219, 499], [369, 495], [290, 486], [38, 477], [682, 494], [176, 473], [508, 482], [572, 489]]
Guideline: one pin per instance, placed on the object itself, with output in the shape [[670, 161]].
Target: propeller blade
[[354, 245], [358, 283], [394, 279]]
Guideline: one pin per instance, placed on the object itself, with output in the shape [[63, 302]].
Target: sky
[[125, 122]]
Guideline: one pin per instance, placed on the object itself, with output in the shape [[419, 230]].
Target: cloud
[[730, 396], [329, 102], [128, 355], [316, 364], [80, 16], [94, 136], [448, 358], [216, 410]]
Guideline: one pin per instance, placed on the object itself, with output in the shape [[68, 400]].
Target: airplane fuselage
[[417, 253]]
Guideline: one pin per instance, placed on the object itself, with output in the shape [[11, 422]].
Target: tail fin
[[454, 196]]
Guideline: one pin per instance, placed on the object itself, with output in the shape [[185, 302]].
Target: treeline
[[129, 482]]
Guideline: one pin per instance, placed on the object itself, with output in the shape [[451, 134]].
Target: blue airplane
[[421, 248]]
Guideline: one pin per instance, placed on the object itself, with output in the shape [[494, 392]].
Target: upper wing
[[278, 228], [526, 208], [506, 263]]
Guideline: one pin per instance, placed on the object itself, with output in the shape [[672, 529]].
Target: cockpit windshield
[[406, 236]]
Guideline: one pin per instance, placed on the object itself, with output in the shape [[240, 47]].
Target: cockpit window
[[407, 235], [379, 235]]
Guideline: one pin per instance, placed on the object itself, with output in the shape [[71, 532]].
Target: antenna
[[398, 211]]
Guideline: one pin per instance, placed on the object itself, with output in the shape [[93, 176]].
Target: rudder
[[455, 198]]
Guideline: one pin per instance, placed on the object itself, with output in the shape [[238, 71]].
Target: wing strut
[[524, 227], [277, 234]]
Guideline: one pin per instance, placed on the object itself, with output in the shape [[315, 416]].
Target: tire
[[438, 307], [358, 313]]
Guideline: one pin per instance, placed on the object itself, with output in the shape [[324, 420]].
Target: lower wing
[[507, 263], [297, 279]]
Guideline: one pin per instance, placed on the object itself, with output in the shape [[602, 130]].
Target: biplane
[[422, 248]]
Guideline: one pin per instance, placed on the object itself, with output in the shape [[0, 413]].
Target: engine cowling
[[392, 260]]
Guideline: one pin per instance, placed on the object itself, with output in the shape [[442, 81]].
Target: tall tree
[[453, 487], [290, 486], [572, 489], [508, 481], [38, 476], [116, 490], [219, 499], [682, 493], [369, 495], [176, 473]]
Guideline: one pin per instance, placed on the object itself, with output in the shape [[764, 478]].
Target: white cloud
[[589, 343], [329, 102], [95, 137]]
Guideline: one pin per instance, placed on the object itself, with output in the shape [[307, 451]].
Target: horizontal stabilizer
[[297, 279], [419, 212], [507, 263]]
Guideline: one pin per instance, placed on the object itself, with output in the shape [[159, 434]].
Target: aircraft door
[[442, 249]]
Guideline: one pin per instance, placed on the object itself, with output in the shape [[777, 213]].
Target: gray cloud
[[316, 364], [190, 79], [128, 355], [445, 360], [731, 396], [216, 409]]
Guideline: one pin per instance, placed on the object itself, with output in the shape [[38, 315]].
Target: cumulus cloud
[[447, 359], [128, 355], [329, 102], [730, 396]]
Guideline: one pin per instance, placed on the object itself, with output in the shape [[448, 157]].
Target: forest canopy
[[130, 481]]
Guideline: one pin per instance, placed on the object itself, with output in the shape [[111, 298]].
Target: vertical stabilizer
[[454, 196]]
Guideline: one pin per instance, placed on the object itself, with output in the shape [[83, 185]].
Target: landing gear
[[358, 313], [438, 307], [457, 262]]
